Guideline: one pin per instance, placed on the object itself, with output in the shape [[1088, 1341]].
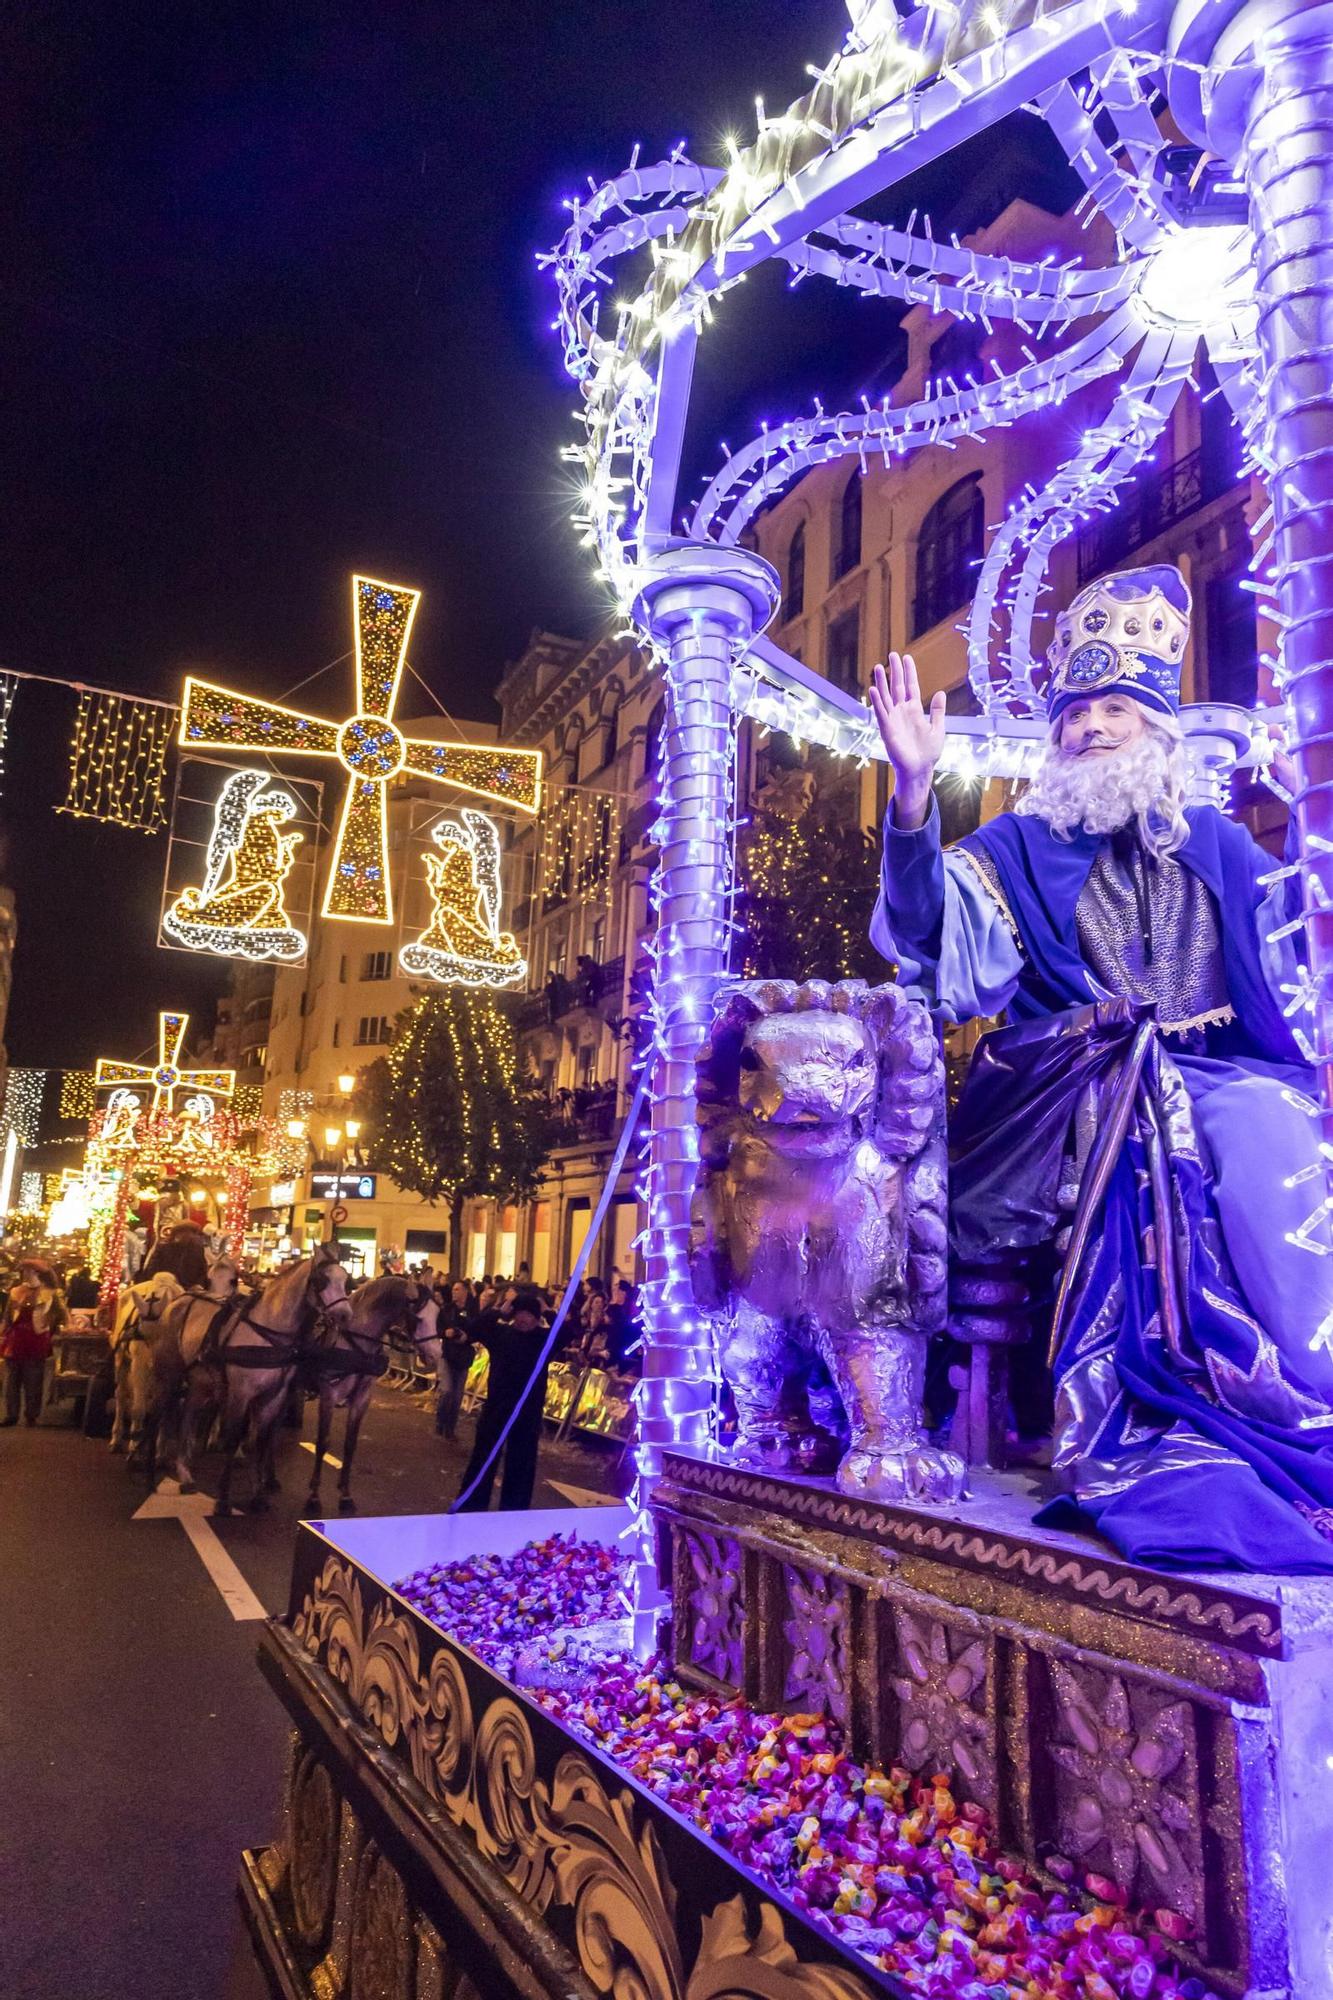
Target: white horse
[[139, 1313], [355, 1355]]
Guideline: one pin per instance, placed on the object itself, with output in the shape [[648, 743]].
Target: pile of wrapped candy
[[892, 1864]]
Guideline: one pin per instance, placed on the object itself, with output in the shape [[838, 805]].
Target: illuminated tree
[[454, 1116], [807, 877]]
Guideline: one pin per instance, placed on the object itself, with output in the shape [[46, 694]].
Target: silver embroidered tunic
[[1149, 931]]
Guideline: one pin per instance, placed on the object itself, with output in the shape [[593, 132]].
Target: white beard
[[1141, 782]]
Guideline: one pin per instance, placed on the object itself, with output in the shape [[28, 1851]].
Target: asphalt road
[[139, 1748]]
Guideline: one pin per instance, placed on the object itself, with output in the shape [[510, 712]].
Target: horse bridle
[[283, 1349], [369, 1351]]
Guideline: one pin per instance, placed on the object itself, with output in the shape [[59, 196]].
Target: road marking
[[582, 1496], [329, 1459], [192, 1511]]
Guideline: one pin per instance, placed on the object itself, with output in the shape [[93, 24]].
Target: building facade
[[875, 558]]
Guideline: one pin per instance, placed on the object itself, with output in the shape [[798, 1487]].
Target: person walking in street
[[34, 1312], [457, 1313], [514, 1343]]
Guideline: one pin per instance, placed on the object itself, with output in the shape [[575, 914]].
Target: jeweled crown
[[1125, 633]]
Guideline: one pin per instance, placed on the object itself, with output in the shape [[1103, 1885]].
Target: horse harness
[[358, 1353], [280, 1350]]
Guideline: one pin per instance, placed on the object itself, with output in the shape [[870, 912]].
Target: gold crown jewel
[[1129, 620]]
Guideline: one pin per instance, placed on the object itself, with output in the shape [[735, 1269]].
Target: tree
[[453, 1115], [807, 877]]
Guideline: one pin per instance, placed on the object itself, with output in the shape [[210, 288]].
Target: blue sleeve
[[936, 920]]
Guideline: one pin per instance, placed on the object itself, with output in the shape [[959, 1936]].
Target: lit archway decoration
[[368, 745], [165, 1076]]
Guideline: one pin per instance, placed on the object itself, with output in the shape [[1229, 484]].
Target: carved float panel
[[443, 1838], [1093, 1710]]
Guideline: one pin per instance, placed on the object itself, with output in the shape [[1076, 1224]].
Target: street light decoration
[[463, 944], [368, 745], [165, 1076]]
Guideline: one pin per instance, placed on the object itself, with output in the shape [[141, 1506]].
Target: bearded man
[[1147, 1097]]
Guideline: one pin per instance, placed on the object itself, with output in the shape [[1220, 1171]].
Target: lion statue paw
[[918, 1473]]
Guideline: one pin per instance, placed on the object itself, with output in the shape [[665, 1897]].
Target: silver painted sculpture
[[819, 1232]]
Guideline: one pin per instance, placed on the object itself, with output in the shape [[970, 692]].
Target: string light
[[580, 843], [463, 944], [24, 1089], [248, 1102], [117, 760], [238, 911], [76, 1094], [8, 689], [368, 745], [165, 1076], [30, 1190]]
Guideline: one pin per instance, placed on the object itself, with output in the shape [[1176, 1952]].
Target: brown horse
[[355, 1356]]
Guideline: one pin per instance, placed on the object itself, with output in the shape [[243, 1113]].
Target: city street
[[139, 1748]]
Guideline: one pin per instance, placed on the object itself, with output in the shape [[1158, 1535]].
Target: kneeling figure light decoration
[[238, 910], [463, 944]]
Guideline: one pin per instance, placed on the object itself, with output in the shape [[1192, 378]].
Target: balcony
[[586, 1114], [1150, 505], [591, 985]]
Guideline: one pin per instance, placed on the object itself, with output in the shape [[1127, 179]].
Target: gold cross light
[[368, 746], [165, 1075]]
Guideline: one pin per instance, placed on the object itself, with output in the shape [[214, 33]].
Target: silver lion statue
[[819, 1235]]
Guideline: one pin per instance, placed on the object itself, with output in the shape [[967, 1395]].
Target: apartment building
[[871, 559], [330, 1018]]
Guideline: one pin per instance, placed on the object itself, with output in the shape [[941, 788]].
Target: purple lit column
[[700, 607], [1287, 154]]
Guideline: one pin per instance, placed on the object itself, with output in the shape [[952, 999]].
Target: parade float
[[861, 1725]]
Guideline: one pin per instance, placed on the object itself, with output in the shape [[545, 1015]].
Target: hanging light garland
[[23, 1103], [76, 1094], [117, 760]]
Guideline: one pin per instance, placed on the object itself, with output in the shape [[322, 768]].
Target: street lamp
[[296, 1128], [347, 1083]]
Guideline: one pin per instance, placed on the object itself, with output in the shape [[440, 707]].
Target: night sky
[[270, 312]]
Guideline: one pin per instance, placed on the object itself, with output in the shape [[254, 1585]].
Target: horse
[[259, 1346], [139, 1314], [348, 1365], [186, 1386]]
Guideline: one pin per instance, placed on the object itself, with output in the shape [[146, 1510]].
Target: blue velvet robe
[[1194, 1373]]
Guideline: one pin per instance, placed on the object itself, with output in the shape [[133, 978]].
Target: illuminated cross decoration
[[165, 1075], [368, 745]]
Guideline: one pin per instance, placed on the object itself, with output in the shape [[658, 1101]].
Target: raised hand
[[913, 736]]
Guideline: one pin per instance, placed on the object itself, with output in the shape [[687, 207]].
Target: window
[[373, 1029], [342, 970], [587, 1062], [1232, 631], [957, 351], [377, 965], [844, 651], [597, 942], [653, 739], [947, 552], [612, 743], [337, 1033], [793, 603], [847, 549], [260, 1055]]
